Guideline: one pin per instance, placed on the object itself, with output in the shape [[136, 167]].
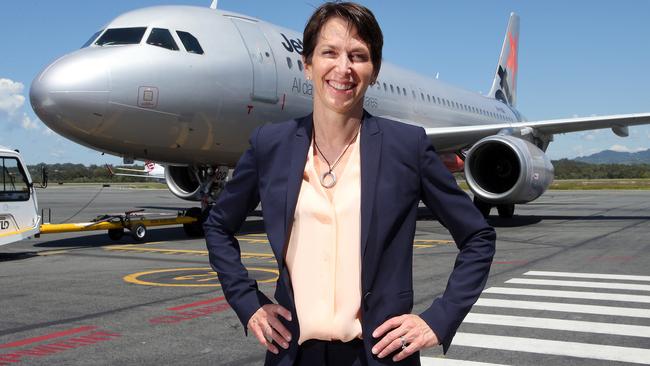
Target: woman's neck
[[334, 129]]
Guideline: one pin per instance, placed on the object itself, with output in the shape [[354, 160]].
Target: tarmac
[[570, 285]]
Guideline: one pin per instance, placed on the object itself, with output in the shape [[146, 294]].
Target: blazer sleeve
[[238, 198], [473, 236]]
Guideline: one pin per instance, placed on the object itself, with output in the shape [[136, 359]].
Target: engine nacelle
[[183, 182], [504, 169]]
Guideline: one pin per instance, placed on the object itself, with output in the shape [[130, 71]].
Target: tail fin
[[504, 86]]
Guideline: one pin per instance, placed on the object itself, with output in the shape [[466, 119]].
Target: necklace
[[328, 179]]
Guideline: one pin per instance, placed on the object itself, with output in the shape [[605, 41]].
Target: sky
[[576, 58]]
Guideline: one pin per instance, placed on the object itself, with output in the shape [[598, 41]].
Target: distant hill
[[616, 157]]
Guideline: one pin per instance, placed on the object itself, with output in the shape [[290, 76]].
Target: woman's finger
[[280, 328], [408, 345], [281, 310]]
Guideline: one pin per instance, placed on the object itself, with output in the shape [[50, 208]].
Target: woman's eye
[[359, 57]]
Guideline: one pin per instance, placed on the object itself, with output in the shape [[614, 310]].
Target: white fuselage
[[143, 101]]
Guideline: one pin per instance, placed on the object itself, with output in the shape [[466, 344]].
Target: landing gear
[[506, 211], [483, 207]]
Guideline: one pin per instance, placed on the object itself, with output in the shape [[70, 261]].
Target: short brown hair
[[358, 16]]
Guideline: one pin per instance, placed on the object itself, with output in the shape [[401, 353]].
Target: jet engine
[[183, 182], [503, 169]]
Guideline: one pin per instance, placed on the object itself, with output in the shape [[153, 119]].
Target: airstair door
[[265, 76]]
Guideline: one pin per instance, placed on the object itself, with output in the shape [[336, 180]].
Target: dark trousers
[[331, 353]]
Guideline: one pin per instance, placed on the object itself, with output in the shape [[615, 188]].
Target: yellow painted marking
[[134, 278], [52, 252], [137, 248], [435, 241]]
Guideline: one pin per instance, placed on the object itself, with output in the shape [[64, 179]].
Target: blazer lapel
[[298, 151], [370, 157]]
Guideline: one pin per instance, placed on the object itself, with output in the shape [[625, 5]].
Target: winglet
[[214, 4], [504, 86]]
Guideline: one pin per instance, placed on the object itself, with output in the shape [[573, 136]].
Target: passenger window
[[299, 65], [190, 42], [13, 181], [404, 90], [413, 91], [429, 98], [391, 88], [422, 95], [162, 38], [289, 62], [117, 36], [90, 41], [385, 88], [399, 90]]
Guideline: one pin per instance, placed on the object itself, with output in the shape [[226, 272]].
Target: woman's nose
[[343, 64]]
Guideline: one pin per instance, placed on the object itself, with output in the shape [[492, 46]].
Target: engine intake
[[182, 182], [504, 169]]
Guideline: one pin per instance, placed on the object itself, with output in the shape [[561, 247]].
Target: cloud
[[623, 148], [11, 98], [588, 137], [12, 103], [28, 123]]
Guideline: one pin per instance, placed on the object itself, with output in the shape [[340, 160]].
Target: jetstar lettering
[[292, 45]]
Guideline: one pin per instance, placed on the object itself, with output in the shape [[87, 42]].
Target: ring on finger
[[405, 344], [268, 335]]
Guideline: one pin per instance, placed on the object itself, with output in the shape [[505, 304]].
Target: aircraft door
[[265, 77]]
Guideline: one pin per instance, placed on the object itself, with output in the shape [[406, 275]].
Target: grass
[[591, 184]]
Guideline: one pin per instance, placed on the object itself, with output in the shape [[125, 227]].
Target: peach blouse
[[323, 254]]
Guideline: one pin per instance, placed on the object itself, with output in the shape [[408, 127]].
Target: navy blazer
[[399, 167]]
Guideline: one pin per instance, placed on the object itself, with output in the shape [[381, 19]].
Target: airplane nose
[[71, 95]]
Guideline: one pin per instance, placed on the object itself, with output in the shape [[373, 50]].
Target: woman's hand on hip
[[267, 327], [408, 333]]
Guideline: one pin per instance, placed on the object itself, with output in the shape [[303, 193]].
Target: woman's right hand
[[267, 327]]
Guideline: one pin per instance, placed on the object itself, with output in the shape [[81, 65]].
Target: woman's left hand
[[407, 332]]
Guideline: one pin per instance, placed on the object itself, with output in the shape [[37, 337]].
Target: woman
[[339, 191]]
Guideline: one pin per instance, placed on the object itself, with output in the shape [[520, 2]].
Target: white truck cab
[[19, 218]]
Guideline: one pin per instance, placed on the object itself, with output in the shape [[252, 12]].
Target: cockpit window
[[162, 38], [121, 36], [90, 41], [190, 42]]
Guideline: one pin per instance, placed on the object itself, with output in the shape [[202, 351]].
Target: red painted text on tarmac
[[200, 309], [52, 348]]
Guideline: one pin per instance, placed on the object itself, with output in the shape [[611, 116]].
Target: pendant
[[328, 180]]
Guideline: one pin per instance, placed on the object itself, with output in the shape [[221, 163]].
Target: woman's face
[[341, 68]]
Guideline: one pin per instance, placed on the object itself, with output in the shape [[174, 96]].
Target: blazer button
[[365, 298]]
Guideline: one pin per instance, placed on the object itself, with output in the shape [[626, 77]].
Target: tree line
[[79, 173], [564, 169]]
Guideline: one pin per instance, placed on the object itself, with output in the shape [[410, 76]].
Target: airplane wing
[[457, 137]]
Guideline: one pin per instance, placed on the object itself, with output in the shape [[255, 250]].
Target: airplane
[[185, 86], [151, 171]]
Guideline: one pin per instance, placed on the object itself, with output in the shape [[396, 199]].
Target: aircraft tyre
[[138, 232], [195, 229], [116, 234], [506, 211], [483, 207]]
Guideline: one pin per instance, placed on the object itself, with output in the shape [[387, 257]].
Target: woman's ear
[[307, 68]]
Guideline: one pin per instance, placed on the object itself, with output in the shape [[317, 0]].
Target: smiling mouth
[[341, 86]]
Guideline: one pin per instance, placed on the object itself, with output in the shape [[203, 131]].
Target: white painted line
[[559, 324], [609, 285], [571, 308], [543, 346], [602, 276], [435, 361], [606, 296]]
